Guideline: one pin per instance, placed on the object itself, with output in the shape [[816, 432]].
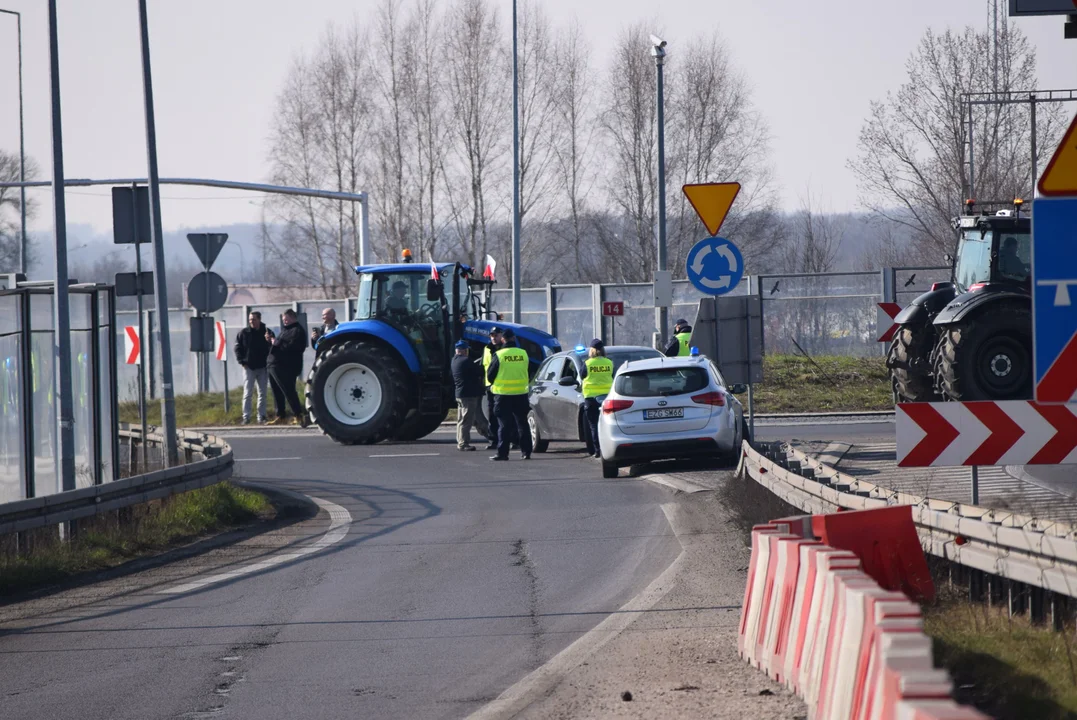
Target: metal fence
[[28, 466], [826, 314]]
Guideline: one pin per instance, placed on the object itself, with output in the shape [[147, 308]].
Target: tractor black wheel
[[357, 392], [909, 361], [987, 356], [538, 443], [419, 426]]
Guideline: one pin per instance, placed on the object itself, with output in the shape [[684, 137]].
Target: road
[[452, 579], [458, 577]]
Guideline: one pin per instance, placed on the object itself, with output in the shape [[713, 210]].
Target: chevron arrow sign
[[1011, 432]]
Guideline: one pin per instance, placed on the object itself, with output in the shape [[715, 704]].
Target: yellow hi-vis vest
[[599, 380], [512, 372], [487, 356], [684, 338]]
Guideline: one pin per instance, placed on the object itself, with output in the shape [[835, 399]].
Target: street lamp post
[[658, 51], [22, 149], [515, 171]]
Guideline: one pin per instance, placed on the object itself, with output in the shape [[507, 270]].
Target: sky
[[813, 68]]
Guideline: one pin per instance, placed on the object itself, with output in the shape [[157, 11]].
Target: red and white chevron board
[[886, 312], [1011, 432]]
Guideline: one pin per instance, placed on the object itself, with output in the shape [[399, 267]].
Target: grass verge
[[1005, 666], [147, 529], [793, 384]]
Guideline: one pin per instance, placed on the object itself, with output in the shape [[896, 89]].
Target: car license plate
[[663, 413]]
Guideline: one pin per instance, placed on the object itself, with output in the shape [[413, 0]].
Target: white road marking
[[339, 520], [536, 685], [406, 455], [671, 481], [266, 459]]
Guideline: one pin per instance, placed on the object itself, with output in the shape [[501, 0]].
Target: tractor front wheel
[[357, 393], [909, 361]]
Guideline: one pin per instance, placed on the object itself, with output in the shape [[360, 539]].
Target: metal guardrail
[[1021, 549], [217, 465]]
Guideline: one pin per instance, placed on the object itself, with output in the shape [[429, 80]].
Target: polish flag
[[491, 265], [434, 272]]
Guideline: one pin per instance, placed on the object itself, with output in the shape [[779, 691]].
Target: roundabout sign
[[715, 266]]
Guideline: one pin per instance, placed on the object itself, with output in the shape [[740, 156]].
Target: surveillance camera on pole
[[659, 50]]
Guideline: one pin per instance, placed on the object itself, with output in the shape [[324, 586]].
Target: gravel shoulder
[[679, 658]]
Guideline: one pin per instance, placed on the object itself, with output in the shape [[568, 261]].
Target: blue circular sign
[[715, 266]]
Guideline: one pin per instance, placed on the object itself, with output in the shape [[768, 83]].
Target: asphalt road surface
[[432, 581]]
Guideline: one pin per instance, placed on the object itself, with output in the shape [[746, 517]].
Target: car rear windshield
[[620, 358], [661, 381]]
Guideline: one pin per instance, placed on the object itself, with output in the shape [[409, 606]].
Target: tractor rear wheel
[[910, 367], [357, 392], [987, 356]]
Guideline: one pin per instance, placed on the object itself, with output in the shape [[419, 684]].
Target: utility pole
[[168, 404], [61, 347], [515, 169], [22, 148], [658, 51]]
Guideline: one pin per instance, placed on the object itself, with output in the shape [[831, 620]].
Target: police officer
[[497, 340], [679, 344], [597, 376], [509, 376]]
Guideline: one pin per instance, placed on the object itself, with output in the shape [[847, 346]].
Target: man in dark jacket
[[285, 364], [467, 376], [251, 351]]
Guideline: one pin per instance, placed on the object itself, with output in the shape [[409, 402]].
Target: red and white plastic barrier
[[814, 620]]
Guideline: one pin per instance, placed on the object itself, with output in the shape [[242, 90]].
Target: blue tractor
[[385, 374]]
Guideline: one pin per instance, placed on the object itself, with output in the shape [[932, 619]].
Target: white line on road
[[672, 481], [266, 459], [339, 520], [407, 455], [541, 681]]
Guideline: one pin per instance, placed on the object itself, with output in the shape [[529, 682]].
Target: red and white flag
[[434, 272], [491, 266]]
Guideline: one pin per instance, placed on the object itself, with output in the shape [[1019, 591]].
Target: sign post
[[613, 309], [207, 293], [222, 355], [131, 225]]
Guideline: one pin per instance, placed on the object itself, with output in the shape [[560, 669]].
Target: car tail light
[[611, 406], [977, 286], [710, 398], [936, 286]]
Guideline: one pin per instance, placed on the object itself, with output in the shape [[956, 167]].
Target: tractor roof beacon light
[[405, 255], [1017, 204], [970, 207]]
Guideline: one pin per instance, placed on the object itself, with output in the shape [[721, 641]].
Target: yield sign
[[132, 345], [1010, 432], [1060, 177], [207, 246], [712, 202], [887, 312], [221, 353]]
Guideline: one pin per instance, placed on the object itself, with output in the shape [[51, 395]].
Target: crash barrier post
[[815, 619]]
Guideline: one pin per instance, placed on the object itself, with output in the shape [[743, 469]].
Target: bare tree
[[424, 92], [319, 140], [716, 135], [631, 133], [11, 210], [913, 161], [476, 84], [573, 144]]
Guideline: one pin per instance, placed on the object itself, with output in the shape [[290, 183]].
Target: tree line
[[413, 106]]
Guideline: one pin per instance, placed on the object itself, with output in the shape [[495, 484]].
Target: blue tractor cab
[[385, 374]]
